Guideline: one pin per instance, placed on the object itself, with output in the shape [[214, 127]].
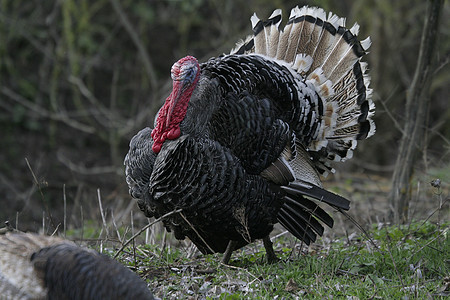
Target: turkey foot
[[227, 254], [271, 256]]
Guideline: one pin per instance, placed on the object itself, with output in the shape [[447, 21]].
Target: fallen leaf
[[444, 290], [291, 286]]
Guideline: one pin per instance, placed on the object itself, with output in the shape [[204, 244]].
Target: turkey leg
[[271, 256], [227, 254]]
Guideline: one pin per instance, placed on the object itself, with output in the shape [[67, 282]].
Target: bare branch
[[139, 45], [46, 113], [387, 110], [110, 115], [87, 171]]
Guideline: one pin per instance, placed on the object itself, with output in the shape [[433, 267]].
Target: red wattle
[[174, 133], [156, 147]]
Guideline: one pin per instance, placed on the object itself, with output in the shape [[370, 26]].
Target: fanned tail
[[324, 52]]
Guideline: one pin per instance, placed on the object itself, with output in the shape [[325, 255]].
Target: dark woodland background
[[79, 78]]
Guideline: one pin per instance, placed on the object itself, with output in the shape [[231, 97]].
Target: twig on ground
[[56, 230], [40, 192], [240, 269], [82, 221], [360, 228], [17, 219], [102, 213], [436, 210], [144, 228], [427, 244], [392, 258], [115, 226], [65, 209]]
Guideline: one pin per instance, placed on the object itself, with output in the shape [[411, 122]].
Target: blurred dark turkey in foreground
[[41, 267]]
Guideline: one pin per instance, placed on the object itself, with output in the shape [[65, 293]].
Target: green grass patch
[[396, 262]]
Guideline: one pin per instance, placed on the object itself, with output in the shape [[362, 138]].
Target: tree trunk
[[417, 102]]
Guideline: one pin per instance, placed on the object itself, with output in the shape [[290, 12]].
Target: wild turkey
[[243, 138], [42, 267]]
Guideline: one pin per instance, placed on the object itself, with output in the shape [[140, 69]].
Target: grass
[[397, 262]]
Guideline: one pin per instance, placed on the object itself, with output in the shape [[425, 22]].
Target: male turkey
[[41, 267], [242, 140]]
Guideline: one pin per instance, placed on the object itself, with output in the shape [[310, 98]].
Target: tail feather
[[284, 41], [310, 190], [272, 33], [306, 217], [328, 43], [312, 209], [266, 42], [297, 227]]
